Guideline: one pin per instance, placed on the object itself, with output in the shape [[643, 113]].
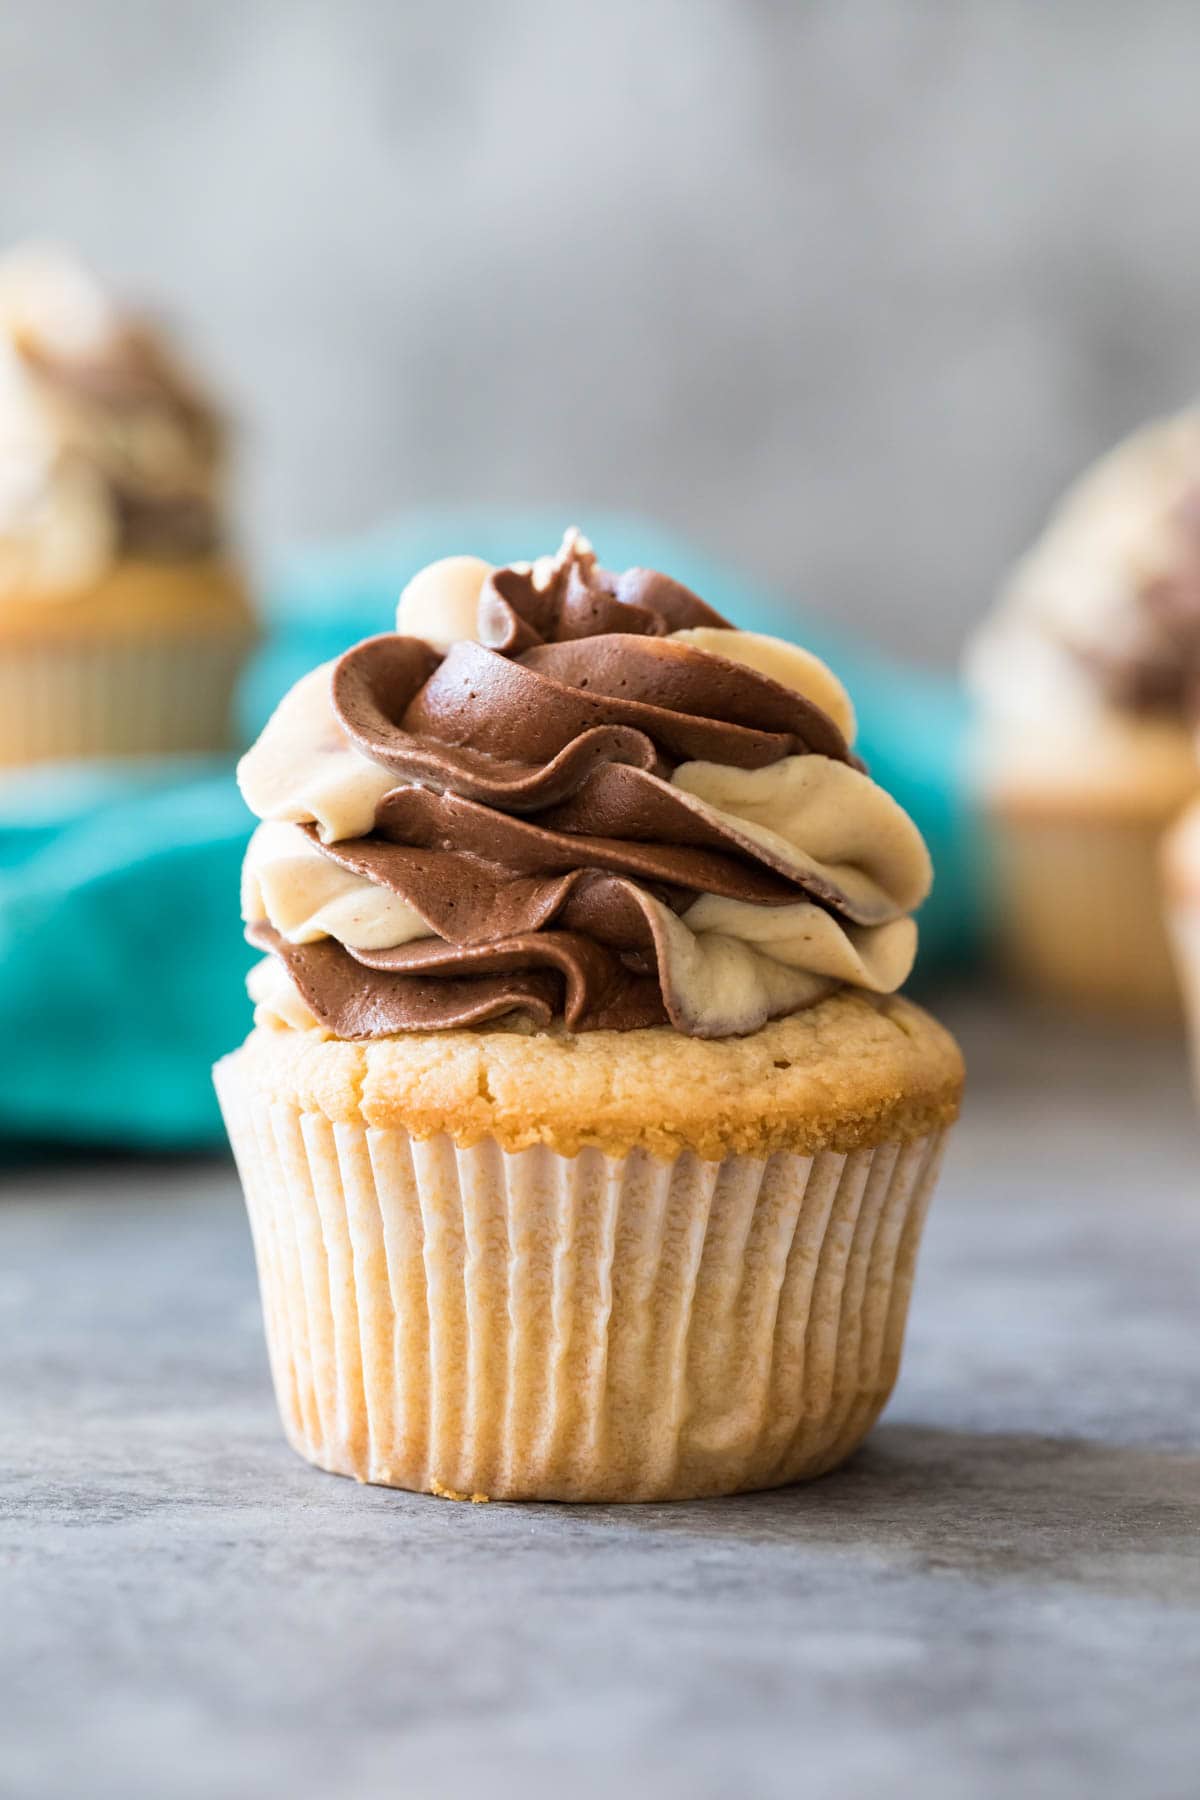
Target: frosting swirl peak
[[556, 793]]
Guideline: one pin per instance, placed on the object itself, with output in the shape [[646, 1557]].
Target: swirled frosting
[[1103, 613], [560, 794], [107, 448]]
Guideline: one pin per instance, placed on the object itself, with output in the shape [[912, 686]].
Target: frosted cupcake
[[585, 1144], [123, 619], [1087, 679]]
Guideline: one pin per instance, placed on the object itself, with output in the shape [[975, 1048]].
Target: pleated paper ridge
[[528, 1325], [134, 696], [1081, 911]]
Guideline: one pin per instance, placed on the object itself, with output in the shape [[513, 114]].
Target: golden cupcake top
[[857, 1070], [557, 797], [109, 450]]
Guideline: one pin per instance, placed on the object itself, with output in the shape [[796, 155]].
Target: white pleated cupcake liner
[[527, 1325], [1079, 911], [147, 695]]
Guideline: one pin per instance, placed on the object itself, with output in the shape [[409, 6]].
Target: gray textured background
[[847, 290]]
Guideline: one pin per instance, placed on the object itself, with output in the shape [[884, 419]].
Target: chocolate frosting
[[523, 732], [533, 827], [585, 601]]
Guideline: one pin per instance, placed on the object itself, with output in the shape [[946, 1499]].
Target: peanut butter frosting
[[562, 797]]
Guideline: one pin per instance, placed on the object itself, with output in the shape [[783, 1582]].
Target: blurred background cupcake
[[123, 619], [1085, 679]]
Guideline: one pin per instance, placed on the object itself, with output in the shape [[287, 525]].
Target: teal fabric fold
[[122, 964]]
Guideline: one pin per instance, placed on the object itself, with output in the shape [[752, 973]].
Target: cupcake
[[123, 618], [585, 1142], [1086, 681]]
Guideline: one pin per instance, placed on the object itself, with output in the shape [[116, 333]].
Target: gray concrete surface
[[847, 288], [1000, 1597]]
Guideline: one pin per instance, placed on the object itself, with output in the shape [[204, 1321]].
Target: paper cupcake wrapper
[[1079, 912], [167, 695], [526, 1325]]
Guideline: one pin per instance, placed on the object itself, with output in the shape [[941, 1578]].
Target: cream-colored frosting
[[786, 663], [725, 982], [1098, 757], [821, 818], [304, 770], [276, 1000], [49, 299], [56, 526], [305, 896], [441, 601], [805, 936]]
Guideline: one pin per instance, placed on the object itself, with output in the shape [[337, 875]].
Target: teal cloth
[[121, 958]]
